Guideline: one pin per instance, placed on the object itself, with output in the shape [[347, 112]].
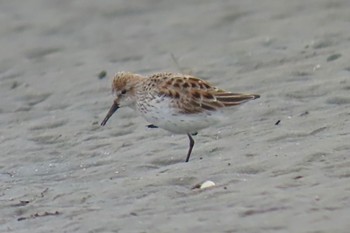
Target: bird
[[179, 103]]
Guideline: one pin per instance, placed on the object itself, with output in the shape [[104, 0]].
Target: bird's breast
[[164, 113]]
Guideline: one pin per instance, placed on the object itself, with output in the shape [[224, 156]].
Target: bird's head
[[124, 87]]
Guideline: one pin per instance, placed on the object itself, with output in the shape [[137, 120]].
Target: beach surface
[[280, 163]]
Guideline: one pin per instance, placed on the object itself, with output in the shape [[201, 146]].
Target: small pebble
[[333, 57], [102, 74], [14, 85], [207, 184], [204, 185]]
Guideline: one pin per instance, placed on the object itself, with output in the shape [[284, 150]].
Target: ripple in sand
[[48, 139], [338, 100], [35, 98], [48, 125]]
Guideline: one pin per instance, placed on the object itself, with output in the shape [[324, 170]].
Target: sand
[[280, 163]]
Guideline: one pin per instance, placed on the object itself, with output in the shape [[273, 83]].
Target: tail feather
[[227, 99], [230, 99]]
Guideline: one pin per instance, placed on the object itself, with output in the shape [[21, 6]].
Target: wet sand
[[280, 163]]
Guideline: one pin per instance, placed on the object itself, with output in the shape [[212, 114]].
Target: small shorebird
[[175, 102]]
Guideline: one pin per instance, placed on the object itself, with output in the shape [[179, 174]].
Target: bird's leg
[[151, 126], [191, 147]]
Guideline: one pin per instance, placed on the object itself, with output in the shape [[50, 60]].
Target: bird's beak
[[112, 110]]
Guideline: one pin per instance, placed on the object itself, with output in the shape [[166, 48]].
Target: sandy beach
[[280, 163]]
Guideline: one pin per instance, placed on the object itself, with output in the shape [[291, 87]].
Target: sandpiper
[[179, 103]]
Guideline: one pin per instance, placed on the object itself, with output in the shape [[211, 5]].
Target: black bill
[[112, 110]]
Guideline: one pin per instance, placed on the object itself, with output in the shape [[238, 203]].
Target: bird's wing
[[193, 95]]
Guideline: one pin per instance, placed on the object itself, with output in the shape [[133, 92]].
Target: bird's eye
[[123, 92]]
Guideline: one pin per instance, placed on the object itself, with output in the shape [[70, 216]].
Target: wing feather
[[193, 95]]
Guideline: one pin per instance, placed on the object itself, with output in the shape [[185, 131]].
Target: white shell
[[207, 184]]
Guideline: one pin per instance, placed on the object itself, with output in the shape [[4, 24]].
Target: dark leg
[[191, 147]]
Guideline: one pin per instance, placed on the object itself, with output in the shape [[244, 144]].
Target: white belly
[[162, 115]]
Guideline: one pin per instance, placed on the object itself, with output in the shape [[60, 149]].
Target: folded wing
[[193, 95]]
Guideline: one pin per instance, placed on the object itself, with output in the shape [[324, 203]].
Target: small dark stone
[[333, 57], [304, 113], [277, 122], [21, 203], [102, 74], [14, 85], [151, 126]]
